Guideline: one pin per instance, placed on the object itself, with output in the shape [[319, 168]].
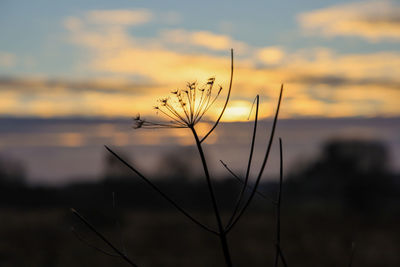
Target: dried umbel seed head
[[184, 108]]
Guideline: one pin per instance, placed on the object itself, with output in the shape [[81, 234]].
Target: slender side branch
[[226, 102], [179, 208], [262, 166], [246, 179], [278, 206], [87, 243], [248, 186], [102, 237]]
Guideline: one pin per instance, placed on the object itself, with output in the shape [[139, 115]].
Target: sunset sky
[[74, 73], [116, 58]]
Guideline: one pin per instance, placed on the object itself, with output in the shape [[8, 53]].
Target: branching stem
[[248, 186], [103, 238], [221, 230], [260, 173], [246, 179], [178, 207]]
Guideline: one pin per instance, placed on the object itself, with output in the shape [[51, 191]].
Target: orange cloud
[[372, 20], [354, 67], [206, 39], [119, 17], [270, 55], [9, 102]]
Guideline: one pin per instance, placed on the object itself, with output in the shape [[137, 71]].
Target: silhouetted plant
[[185, 109]]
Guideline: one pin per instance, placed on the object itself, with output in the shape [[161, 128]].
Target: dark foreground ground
[[165, 238], [346, 195]]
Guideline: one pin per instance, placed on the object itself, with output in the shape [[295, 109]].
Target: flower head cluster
[[184, 108]]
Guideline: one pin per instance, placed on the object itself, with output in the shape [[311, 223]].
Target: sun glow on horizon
[[237, 110]]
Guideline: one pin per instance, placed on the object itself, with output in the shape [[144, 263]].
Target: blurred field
[[165, 238], [346, 195]]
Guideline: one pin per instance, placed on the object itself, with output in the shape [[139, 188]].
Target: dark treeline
[[349, 175]]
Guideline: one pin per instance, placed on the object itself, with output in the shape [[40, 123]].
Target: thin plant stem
[[179, 208], [226, 102], [282, 256], [102, 237], [262, 166], [278, 205], [246, 179], [353, 248], [222, 233], [248, 186]]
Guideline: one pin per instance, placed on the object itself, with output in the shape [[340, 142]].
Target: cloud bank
[[371, 20], [137, 70]]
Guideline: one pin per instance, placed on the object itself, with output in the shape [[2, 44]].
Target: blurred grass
[[42, 237]]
